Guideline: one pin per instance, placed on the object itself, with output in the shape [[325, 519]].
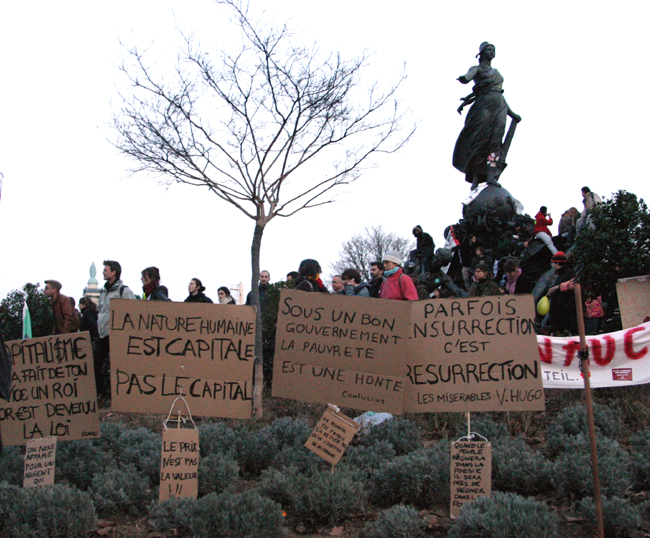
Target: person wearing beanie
[[424, 248], [562, 314], [396, 284], [542, 221]]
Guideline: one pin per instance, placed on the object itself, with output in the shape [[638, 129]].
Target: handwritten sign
[[634, 300], [53, 390], [179, 464], [40, 456], [339, 349], [332, 435], [471, 473], [474, 354], [160, 350]]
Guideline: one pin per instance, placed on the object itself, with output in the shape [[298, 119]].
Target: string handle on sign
[[334, 409], [471, 436], [180, 417]]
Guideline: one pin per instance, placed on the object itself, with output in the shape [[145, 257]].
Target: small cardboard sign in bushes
[[471, 473], [349, 351], [634, 300], [332, 435], [40, 457], [52, 390], [161, 350], [474, 354], [179, 464]]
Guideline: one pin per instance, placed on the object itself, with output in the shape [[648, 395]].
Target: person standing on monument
[[113, 289], [65, 317]]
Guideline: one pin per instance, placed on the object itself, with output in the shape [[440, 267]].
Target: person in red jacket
[[542, 221], [396, 284]]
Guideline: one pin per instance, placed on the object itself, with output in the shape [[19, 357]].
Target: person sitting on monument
[[515, 281], [542, 221], [483, 284], [482, 256], [424, 248]]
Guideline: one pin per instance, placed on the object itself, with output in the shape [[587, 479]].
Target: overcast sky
[[574, 71]]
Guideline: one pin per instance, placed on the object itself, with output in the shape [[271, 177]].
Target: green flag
[[27, 322]]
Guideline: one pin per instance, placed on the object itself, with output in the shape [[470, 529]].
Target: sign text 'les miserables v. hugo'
[[162, 350]]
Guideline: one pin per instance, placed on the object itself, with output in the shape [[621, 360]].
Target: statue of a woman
[[480, 150]]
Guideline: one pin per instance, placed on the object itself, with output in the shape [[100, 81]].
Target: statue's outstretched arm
[[470, 75]]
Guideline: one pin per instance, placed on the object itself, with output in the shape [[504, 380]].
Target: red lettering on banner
[[629, 345], [571, 348], [546, 354], [597, 350]]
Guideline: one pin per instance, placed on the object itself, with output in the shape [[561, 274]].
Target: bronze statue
[[480, 150]]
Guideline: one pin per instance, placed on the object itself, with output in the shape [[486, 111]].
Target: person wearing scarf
[[516, 281], [224, 296], [396, 284], [151, 287], [309, 277]]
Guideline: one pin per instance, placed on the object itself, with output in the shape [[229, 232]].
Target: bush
[[300, 457], [12, 465], [8, 495], [399, 432], [506, 515], [110, 439], [620, 517], [325, 498], [281, 486], [124, 490], [288, 431], [572, 469], [640, 453], [142, 448], [484, 425], [573, 421], [255, 450], [78, 461], [396, 522], [420, 478], [368, 458], [248, 515], [216, 438], [51, 512], [173, 514], [217, 473], [518, 468]]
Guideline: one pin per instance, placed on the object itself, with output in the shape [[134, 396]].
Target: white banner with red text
[[616, 359]]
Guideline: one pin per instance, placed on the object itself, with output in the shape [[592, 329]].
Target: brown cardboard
[[471, 473], [53, 390], [332, 435], [160, 350], [474, 354], [179, 464], [348, 351], [40, 458], [633, 300]]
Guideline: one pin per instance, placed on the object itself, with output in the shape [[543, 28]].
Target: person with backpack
[[66, 319], [396, 284], [353, 285]]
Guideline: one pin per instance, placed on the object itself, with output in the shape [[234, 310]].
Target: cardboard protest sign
[[160, 350], [179, 464], [474, 354], [616, 359], [471, 473], [40, 457], [634, 300], [53, 390], [332, 435], [348, 351]]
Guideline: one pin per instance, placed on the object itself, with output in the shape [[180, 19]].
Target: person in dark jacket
[[197, 295], [151, 287], [309, 279], [424, 248], [562, 315], [353, 285], [89, 315], [483, 284], [224, 296], [516, 281], [377, 277]]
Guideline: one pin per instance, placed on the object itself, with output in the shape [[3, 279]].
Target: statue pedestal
[[487, 203]]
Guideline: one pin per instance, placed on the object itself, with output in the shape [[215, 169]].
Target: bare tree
[[367, 247], [242, 125]]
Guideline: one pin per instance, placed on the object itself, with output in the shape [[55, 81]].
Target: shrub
[[300, 457], [255, 450], [78, 461], [484, 425], [399, 432], [572, 469], [420, 478], [368, 458], [248, 515], [57, 511], [288, 431], [396, 522], [518, 468], [325, 498], [620, 517], [124, 490], [573, 421], [173, 514], [8, 495], [506, 515], [640, 453], [142, 448], [280, 486], [12, 465], [110, 439], [216, 438], [217, 473]]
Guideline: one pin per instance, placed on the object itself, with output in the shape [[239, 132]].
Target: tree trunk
[[258, 381]]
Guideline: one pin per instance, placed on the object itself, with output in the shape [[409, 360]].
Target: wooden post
[[584, 367]]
